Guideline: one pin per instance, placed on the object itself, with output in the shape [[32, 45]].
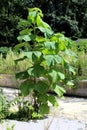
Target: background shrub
[[69, 17]]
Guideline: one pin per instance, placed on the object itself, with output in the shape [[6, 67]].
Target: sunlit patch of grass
[[82, 65], [81, 50], [7, 65]]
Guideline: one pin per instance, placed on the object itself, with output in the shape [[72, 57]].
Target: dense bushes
[[69, 17], [10, 13]]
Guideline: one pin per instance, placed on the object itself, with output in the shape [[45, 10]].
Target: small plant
[[4, 106], [21, 109], [10, 127], [48, 53]]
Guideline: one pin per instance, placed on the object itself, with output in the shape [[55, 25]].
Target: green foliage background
[[69, 17]]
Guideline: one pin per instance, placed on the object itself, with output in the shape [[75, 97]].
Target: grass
[[81, 45], [81, 65], [8, 66]]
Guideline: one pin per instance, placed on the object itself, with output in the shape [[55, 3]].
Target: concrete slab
[[81, 89], [45, 124], [7, 80]]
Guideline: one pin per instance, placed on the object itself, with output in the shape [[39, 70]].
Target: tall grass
[[8, 66], [81, 45]]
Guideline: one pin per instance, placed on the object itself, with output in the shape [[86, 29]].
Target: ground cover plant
[[4, 106], [17, 108]]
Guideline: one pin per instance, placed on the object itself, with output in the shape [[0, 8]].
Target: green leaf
[[41, 23], [59, 90], [49, 60], [38, 70], [61, 75], [72, 69], [52, 99], [24, 37], [50, 45], [45, 25], [30, 71], [48, 52], [32, 55], [33, 13], [43, 98], [26, 31], [45, 30], [54, 76], [71, 53], [39, 12], [23, 24], [20, 45], [28, 55], [44, 109], [37, 53], [41, 87], [52, 59], [40, 39], [57, 59], [20, 38], [70, 83], [32, 17], [62, 46], [22, 75], [26, 87]]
